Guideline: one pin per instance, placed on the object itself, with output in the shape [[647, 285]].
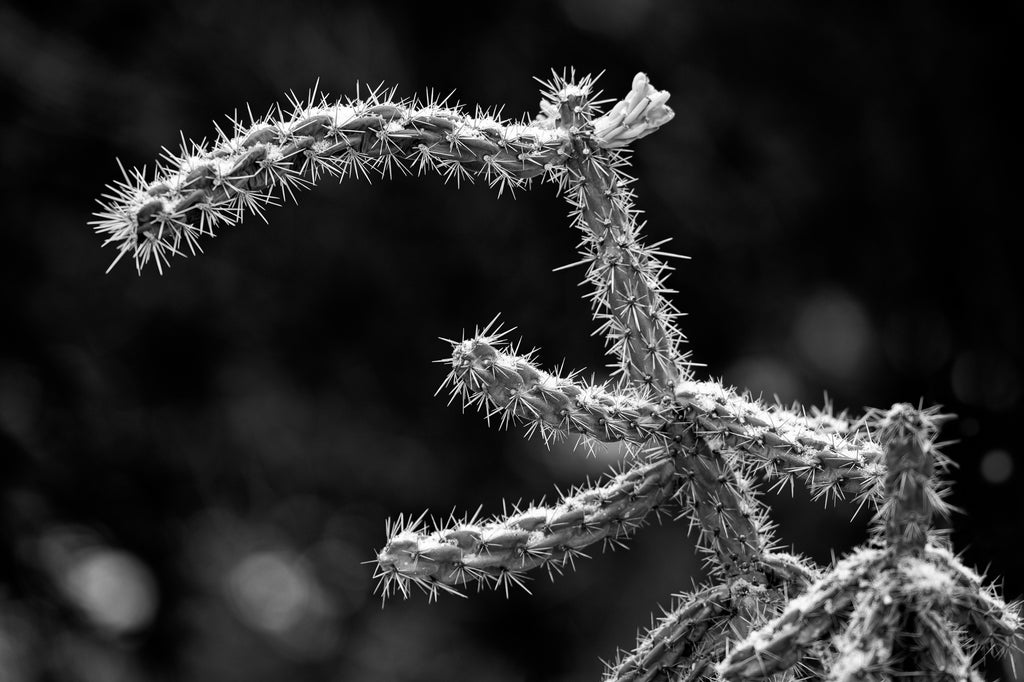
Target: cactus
[[903, 604]]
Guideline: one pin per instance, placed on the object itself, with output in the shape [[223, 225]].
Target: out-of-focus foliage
[[193, 466]]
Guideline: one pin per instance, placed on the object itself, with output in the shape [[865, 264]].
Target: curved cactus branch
[[675, 643], [195, 191], [499, 552]]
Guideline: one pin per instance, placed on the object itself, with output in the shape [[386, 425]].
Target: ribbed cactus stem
[[910, 468], [499, 552]]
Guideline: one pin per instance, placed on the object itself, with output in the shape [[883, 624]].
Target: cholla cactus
[[695, 448]]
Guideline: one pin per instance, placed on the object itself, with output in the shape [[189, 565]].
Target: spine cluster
[[902, 605]]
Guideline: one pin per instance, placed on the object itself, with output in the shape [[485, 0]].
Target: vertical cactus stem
[[627, 277], [913, 495], [721, 504]]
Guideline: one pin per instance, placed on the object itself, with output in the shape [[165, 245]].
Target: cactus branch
[[510, 387], [676, 642], [193, 192], [627, 277], [499, 552]]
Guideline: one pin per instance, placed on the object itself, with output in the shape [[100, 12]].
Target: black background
[[841, 177]]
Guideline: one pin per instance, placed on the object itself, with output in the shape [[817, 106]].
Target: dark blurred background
[[193, 467]]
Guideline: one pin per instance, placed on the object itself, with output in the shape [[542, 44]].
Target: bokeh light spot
[[115, 590], [987, 378], [997, 466], [270, 590], [833, 333]]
